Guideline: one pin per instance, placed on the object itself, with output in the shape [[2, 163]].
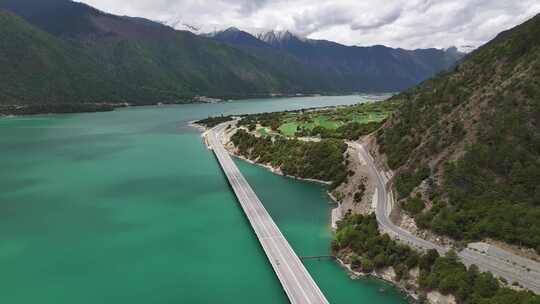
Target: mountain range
[[65, 52], [340, 67], [465, 145]]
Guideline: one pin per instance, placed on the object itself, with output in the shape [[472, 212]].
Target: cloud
[[250, 6], [396, 23], [369, 21]]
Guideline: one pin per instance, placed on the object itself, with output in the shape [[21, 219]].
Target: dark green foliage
[[360, 193], [414, 205], [56, 108], [358, 197], [360, 233], [316, 160], [427, 260], [449, 276], [270, 120], [367, 265], [211, 122], [407, 181], [490, 104], [445, 274]]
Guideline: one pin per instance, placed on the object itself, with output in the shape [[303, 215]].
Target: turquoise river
[[130, 207]]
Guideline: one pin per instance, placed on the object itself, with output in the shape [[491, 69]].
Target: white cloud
[[395, 23]]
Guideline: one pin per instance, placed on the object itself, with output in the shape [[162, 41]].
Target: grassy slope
[[333, 123], [326, 121], [474, 135]]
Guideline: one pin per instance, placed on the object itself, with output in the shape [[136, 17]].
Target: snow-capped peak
[[467, 48], [229, 30], [276, 36], [267, 35], [197, 29]]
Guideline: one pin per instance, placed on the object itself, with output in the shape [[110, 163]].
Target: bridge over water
[[294, 277]]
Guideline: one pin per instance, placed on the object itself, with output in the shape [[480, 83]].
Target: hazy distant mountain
[[179, 24], [277, 38], [60, 51], [281, 61], [349, 68], [237, 37]]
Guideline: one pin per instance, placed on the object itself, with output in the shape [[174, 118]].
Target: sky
[[407, 24]]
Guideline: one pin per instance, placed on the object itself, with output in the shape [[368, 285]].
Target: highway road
[[292, 274], [505, 264]]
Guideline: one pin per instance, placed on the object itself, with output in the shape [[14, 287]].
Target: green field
[[266, 132], [328, 120], [288, 128], [340, 122]]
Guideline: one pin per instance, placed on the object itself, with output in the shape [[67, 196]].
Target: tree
[[486, 285], [367, 265], [537, 196], [427, 261], [452, 257], [412, 260], [380, 261], [415, 205]]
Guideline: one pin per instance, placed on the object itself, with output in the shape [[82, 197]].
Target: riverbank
[[336, 214], [407, 287], [37, 109], [386, 276], [92, 107], [347, 196], [229, 146], [162, 190]]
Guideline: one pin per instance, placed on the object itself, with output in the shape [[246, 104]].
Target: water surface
[[130, 207]]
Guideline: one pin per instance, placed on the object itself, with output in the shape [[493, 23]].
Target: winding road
[[487, 257]]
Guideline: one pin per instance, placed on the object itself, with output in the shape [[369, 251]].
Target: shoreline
[[278, 172], [274, 170], [410, 295], [9, 110], [61, 108]]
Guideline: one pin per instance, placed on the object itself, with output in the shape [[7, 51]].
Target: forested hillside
[[60, 51], [359, 242], [35, 65], [313, 160], [338, 67], [466, 144]]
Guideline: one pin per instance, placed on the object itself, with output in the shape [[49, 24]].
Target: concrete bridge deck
[[295, 279]]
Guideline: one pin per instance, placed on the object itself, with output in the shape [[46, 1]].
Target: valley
[[164, 219], [65, 56], [349, 152], [307, 159], [434, 169]]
